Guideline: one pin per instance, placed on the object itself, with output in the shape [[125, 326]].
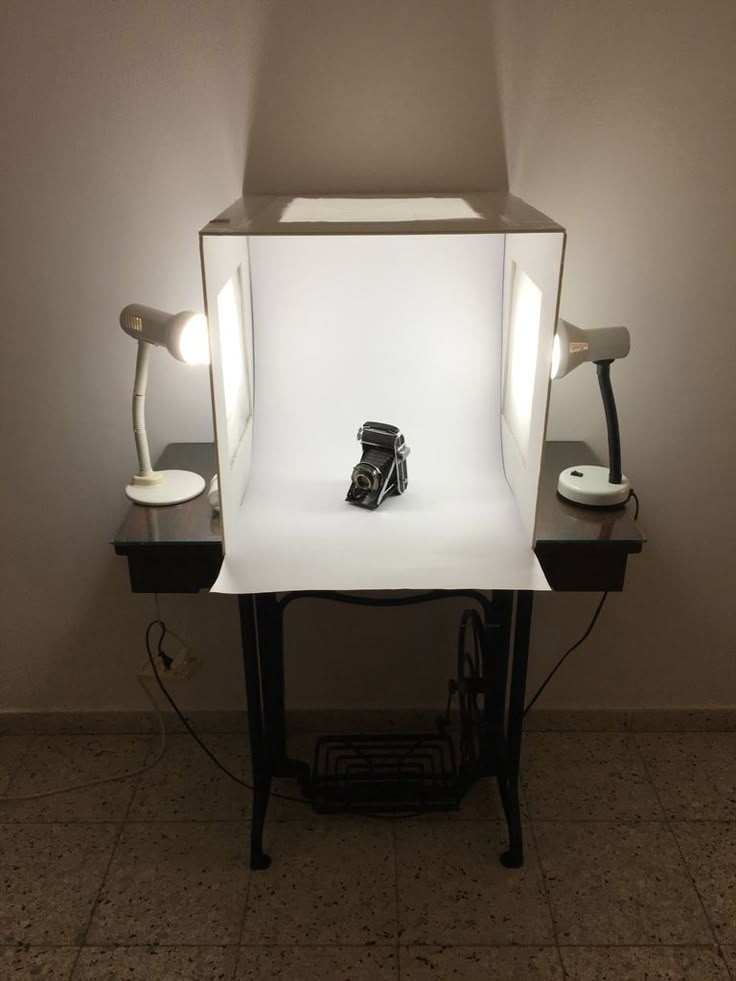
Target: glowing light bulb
[[193, 343]]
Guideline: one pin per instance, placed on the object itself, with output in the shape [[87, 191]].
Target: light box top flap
[[380, 214]]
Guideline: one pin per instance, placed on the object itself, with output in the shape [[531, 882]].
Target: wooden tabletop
[[193, 522], [179, 548]]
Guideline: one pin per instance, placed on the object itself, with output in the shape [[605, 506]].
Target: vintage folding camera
[[382, 467]]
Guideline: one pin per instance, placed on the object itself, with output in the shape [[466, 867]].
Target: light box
[[434, 313]]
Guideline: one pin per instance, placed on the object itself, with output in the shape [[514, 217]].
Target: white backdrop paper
[[400, 329]]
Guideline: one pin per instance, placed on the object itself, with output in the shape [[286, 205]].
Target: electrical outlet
[[184, 665]]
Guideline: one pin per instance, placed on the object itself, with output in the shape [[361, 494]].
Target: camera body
[[381, 470]]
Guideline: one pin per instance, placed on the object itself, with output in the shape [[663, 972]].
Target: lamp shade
[[573, 346], [183, 334]]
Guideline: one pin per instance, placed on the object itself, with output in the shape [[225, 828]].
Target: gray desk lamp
[[185, 337], [594, 486]]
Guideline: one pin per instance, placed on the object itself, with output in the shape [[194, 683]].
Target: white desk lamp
[[594, 486], [185, 336]]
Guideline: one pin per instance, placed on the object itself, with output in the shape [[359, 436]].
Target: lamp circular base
[[590, 486], [174, 487]]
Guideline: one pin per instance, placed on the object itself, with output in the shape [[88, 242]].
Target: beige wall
[[620, 121], [129, 125], [124, 130]]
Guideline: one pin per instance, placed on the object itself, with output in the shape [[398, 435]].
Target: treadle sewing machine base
[[396, 773]]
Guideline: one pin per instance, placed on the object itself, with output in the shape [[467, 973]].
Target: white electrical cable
[[118, 776]]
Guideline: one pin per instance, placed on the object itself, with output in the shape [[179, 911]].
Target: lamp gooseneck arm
[[139, 409], [609, 407]]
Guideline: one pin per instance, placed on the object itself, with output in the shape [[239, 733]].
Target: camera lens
[[365, 478]]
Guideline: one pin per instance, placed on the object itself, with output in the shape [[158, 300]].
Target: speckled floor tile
[[37, 963], [317, 964], [12, 751], [332, 881], [582, 720], [710, 854], [481, 803], [453, 889], [480, 964], [187, 786], [643, 964], [63, 761], [694, 773], [595, 776], [729, 955], [49, 878], [155, 964], [619, 884], [579, 747], [178, 883], [683, 720]]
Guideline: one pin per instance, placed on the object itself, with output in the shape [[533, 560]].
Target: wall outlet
[[184, 665]]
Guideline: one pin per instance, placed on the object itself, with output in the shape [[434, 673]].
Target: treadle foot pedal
[[385, 773]]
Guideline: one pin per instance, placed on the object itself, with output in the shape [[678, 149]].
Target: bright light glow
[[193, 343], [235, 367], [521, 357], [377, 209], [555, 356]]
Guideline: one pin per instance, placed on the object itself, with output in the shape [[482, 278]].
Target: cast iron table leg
[[498, 633], [270, 623], [514, 857], [260, 757]]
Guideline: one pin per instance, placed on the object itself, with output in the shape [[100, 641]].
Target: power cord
[[118, 776], [632, 493], [567, 653], [587, 633], [183, 719], [195, 736]]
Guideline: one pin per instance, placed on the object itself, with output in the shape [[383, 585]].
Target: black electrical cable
[[185, 722], [567, 653], [187, 725], [632, 493]]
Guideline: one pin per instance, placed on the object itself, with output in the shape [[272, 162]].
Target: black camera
[[382, 468]]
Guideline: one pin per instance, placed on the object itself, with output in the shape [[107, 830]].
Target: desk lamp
[[185, 336], [572, 346]]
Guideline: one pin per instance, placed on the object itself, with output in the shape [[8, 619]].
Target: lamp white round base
[[174, 487], [590, 485]]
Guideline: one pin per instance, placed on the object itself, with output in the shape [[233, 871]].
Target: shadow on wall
[[391, 95]]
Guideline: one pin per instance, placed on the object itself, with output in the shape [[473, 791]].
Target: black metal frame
[[505, 624]]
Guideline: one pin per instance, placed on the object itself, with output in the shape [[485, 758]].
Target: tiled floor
[[630, 870]]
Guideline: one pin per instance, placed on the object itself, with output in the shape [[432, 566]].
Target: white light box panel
[[432, 313]]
